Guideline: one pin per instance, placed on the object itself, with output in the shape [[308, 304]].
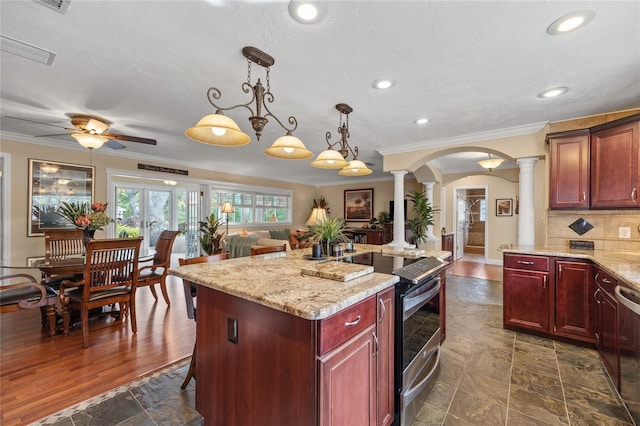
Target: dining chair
[[60, 244], [110, 276], [267, 249], [156, 273], [189, 295], [27, 293]]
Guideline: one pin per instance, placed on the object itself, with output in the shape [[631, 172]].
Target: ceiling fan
[[91, 132]]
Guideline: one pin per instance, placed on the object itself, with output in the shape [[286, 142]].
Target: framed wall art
[[52, 183], [358, 205], [504, 207]]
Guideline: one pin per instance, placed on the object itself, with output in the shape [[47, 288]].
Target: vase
[[87, 236]]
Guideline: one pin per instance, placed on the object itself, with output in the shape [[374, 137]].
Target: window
[[483, 210], [252, 207]]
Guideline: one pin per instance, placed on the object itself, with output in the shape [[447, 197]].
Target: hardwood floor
[[40, 375]]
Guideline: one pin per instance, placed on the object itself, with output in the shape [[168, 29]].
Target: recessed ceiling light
[[382, 84], [421, 120], [307, 12], [552, 93], [571, 22]]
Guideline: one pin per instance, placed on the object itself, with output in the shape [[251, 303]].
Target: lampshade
[[288, 147], [90, 141], [226, 208], [217, 129], [317, 215], [330, 159], [96, 126], [355, 168], [490, 163]]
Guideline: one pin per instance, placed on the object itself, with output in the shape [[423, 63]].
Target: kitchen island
[[276, 346]]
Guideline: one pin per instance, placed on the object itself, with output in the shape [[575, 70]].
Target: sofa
[[239, 244]]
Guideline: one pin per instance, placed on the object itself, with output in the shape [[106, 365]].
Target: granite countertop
[[275, 280], [624, 265]]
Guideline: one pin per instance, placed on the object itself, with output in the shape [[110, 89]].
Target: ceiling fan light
[[96, 126], [217, 129], [89, 141], [49, 168], [355, 168], [330, 159], [288, 147]]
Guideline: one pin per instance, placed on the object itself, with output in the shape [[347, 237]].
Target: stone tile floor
[[488, 376]]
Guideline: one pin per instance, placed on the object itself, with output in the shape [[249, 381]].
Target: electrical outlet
[[624, 232]]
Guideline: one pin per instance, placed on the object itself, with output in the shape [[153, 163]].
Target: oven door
[[420, 345]]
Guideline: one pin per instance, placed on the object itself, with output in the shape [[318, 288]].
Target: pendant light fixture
[[338, 159], [217, 129], [491, 162]]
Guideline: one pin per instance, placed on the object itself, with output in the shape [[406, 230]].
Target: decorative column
[[398, 210], [526, 215], [431, 239]]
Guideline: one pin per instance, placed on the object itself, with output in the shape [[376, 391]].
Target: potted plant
[[422, 216], [209, 237], [384, 217], [328, 231]]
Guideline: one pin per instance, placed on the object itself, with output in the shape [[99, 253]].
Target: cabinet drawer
[[345, 324], [533, 263], [606, 282]]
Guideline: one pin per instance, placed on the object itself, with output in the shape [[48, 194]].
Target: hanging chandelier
[[337, 159], [491, 162], [217, 129]]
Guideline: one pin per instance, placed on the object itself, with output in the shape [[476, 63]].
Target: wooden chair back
[[62, 243], [164, 245], [189, 287], [267, 249], [156, 272]]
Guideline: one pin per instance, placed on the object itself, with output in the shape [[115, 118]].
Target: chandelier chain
[[249, 71], [268, 80]]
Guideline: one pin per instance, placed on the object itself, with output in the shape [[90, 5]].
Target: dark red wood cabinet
[[569, 170], [526, 292], [607, 333], [574, 300], [615, 172]]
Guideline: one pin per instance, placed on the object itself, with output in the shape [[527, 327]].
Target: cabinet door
[[615, 176], [385, 354], [569, 172], [526, 299], [607, 334], [348, 382], [574, 299]]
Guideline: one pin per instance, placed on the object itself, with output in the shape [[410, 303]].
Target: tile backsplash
[[605, 232]]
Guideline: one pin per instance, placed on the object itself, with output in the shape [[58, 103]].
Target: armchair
[[156, 273], [28, 294]]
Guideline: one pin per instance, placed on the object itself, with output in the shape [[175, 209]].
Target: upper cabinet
[[615, 177], [596, 168]]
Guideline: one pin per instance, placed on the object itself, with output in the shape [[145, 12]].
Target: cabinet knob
[[584, 196], [524, 262], [634, 194], [354, 322], [383, 310]]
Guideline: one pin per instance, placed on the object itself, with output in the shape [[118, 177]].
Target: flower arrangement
[[89, 218]]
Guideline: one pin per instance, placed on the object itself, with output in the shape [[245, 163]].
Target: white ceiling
[[471, 67]]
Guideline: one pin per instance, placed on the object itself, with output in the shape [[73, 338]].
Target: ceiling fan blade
[[130, 138], [55, 134], [114, 145], [37, 122]]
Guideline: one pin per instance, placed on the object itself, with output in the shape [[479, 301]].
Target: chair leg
[[65, 317], [85, 327], [192, 370], [152, 287], [132, 310], [163, 287]]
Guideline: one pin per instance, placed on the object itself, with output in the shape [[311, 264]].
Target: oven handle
[[411, 393], [633, 306], [416, 300]]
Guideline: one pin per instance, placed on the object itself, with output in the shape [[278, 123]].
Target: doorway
[[471, 222]]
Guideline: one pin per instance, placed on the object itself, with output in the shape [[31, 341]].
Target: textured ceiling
[[470, 67]]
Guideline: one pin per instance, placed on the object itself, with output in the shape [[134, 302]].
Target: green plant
[[320, 203], [88, 217], [384, 217], [422, 216], [330, 229], [209, 237]]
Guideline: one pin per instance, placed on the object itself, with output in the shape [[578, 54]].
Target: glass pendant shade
[[355, 168], [288, 147], [317, 215], [217, 129], [490, 163], [330, 159], [89, 140]]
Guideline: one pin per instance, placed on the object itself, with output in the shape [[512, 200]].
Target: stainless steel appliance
[[418, 320], [629, 311]]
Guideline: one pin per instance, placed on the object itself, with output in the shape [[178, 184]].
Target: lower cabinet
[[607, 332], [549, 295]]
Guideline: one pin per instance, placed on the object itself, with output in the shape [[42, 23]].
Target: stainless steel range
[[418, 320]]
